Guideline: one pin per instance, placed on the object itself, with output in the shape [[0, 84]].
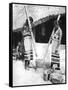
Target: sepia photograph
[[37, 44]]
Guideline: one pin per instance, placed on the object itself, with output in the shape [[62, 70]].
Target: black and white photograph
[[37, 44]]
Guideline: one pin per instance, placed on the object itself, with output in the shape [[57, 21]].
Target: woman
[[28, 54], [56, 40]]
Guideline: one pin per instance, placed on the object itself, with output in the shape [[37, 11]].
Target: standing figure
[[56, 40], [28, 54]]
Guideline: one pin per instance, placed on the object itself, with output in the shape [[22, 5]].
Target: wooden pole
[[45, 55]]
